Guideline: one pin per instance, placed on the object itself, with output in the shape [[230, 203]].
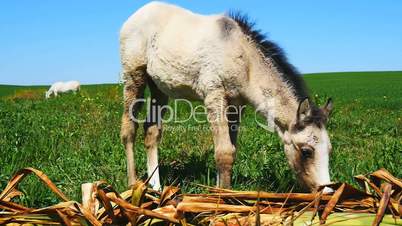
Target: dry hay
[[381, 195], [27, 94]]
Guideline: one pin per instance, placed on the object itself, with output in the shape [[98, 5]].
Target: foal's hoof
[[156, 187], [327, 190]]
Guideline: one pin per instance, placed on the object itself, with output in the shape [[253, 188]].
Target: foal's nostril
[[307, 152]]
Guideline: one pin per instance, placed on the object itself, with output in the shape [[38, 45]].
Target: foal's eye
[[306, 152]]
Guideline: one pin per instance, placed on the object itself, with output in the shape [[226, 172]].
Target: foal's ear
[[327, 109], [303, 110]]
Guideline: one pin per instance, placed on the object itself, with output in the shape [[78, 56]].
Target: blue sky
[[43, 41]]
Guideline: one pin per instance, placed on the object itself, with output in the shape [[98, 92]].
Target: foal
[[63, 87], [221, 60]]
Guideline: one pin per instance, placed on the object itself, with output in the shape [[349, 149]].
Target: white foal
[[63, 87], [221, 60]]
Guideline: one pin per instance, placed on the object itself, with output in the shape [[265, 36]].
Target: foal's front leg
[[216, 104], [233, 115]]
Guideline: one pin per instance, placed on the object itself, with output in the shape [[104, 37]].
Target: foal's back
[[184, 53], [157, 17]]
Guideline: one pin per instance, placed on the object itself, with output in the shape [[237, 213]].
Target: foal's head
[[47, 94], [307, 144]]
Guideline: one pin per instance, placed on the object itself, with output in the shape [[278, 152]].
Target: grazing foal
[[221, 60], [63, 87]]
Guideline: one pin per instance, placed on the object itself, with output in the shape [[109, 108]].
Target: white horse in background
[[221, 60], [63, 87]]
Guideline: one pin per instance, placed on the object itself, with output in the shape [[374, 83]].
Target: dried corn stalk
[[141, 205]]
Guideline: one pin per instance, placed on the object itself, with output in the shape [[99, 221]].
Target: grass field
[[75, 138]]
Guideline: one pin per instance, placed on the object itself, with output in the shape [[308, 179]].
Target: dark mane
[[271, 50]]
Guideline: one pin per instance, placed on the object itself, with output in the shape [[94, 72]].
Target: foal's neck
[[271, 95]]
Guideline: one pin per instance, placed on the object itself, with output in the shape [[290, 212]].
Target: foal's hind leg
[[153, 132], [133, 92]]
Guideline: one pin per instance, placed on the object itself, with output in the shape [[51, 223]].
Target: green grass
[[75, 138]]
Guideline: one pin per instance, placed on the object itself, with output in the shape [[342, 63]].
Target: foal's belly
[[176, 89], [175, 85], [174, 76]]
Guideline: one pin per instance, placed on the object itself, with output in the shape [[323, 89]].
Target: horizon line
[[303, 74]]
